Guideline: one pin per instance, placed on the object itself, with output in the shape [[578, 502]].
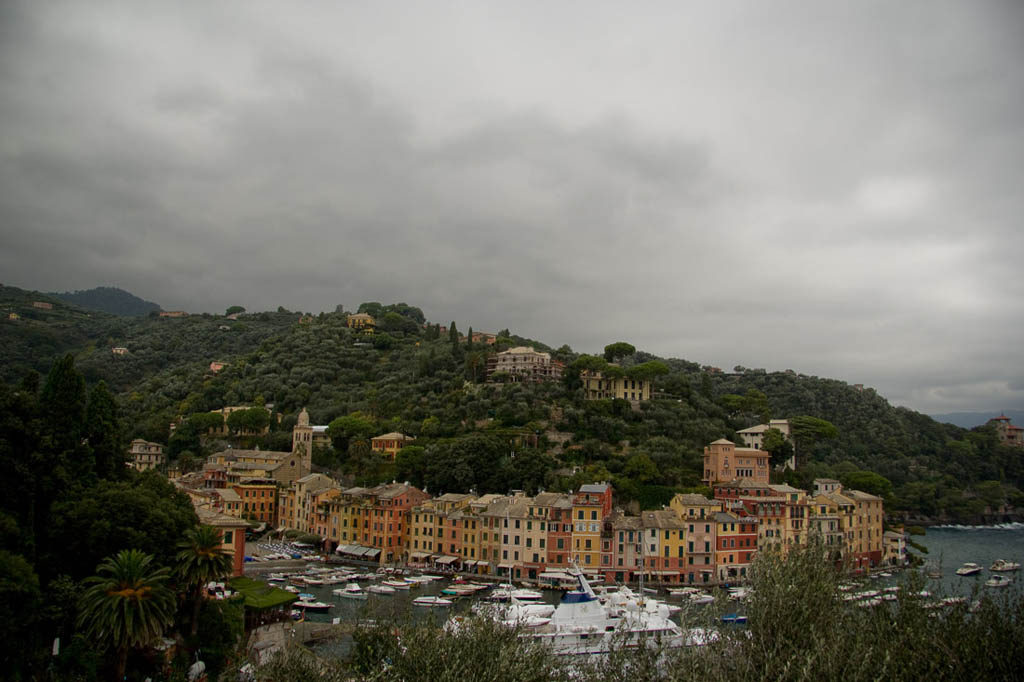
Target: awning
[[371, 552], [555, 575], [506, 566], [446, 560], [418, 555], [470, 562], [661, 572]]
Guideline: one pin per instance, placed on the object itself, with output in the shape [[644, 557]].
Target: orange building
[[390, 443], [259, 500], [723, 461]]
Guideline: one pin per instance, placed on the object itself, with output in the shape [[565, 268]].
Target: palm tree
[[201, 559], [127, 604]]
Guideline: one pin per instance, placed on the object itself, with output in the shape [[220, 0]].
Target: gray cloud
[[832, 189]]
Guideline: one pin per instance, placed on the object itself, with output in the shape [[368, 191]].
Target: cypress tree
[[104, 433]]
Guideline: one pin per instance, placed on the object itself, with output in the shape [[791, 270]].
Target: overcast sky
[[835, 188]]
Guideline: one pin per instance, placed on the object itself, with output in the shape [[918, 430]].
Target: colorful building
[[723, 461]]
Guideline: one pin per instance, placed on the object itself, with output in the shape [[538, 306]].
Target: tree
[[144, 512], [806, 431], [104, 433], [127, 604], [344, 430], [774, 442], [618, 350], [253, 419], [19, 602], [647, 371], [63, 406], [234, 310], [868, 482], [201, 559]]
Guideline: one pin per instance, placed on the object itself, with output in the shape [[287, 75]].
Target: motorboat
[[580, 624], [398, 584], [969, 568], [381, 589], [432, 601], [998, 581], [1003, 566], [506, 593], [739, 593], [682, 591], [350, 591], [701, 598], [734, 619], [316, 606]]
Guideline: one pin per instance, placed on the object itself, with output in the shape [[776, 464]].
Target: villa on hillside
[[145, 455], [523, 363], [1008, 433], [390, 443], [597, 387], [724, 462]]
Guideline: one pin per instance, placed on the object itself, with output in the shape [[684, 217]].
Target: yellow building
[[390, 443], [362, 322], [590, 504], [596, 387]]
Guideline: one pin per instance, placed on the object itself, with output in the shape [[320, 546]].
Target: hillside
[[109, 300], [477, 435]]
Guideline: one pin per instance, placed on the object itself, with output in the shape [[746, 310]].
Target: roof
[[218, 520], [258, 595], [595, 488], [558, 500], [759, 428], [394, 435], [622, 522], [861, 495], [726, 517], [664, 518], [694, 498], [229, 495], [723, 441], [783, 488], [824, 481]]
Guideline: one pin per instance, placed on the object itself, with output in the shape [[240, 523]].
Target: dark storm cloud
[[828, 188]]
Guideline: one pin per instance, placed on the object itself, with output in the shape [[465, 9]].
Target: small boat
[[397, 584], [701, 598], [381, 589], [969, 568], [998, 581], [350, 591], [312, 605], [738, 593], [734, 619], [1003, 566], [431, 601], [682, 591]]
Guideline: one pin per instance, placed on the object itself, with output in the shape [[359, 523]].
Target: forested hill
[[109, 300], [478, 435]]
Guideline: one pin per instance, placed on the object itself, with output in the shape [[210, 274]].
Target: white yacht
[[582, 625], [998, 581], [1003, 566], [969, 568]]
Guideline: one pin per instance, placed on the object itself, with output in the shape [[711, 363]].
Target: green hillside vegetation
[[473, 435], [109, 300]]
